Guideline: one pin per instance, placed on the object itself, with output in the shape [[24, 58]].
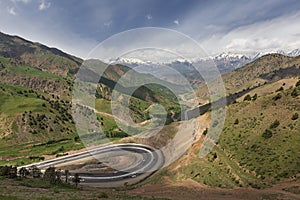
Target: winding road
[[131, 163]]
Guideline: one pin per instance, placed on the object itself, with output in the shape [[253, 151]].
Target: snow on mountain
[[224, 60], [295, 52]]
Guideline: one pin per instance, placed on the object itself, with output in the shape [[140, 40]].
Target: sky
[[77, 26]]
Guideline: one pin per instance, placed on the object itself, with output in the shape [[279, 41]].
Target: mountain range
[[258, 146], [225, 62]]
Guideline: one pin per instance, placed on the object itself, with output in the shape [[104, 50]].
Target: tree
[[66, 175], [35, 172], [58, 176], [4, 170], [13, 173], [76, 179], [50, 175], [23, 172]]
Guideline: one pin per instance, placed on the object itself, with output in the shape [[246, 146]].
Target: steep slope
[[267, 69], [259, 144], [37, 55], [35, 101]]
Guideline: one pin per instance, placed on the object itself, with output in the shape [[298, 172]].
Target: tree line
[[51, 175]]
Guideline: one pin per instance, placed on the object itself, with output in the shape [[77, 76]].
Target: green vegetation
[[253, 150], [267, 134]]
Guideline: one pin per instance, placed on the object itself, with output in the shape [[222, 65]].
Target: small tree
[[66, 175], [13, 172], [50, 175], [23, 172], [35, 172], [76, 179], [57, 176]]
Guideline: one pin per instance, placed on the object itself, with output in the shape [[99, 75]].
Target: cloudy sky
[[77, 26]]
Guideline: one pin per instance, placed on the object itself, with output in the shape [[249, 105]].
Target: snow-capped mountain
[[225, 62], [227, 58], [295, 52]]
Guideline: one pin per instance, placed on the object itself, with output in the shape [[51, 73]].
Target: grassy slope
[[243, 156], [267, 69], [29, 118], [35, 101]]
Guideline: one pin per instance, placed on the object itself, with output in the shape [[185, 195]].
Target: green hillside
[[35, 100], [259, 144]]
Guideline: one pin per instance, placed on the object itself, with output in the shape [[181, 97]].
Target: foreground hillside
[[258, 148]]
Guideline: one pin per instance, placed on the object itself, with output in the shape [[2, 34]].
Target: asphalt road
[[147, 160]]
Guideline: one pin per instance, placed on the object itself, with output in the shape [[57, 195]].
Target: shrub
[[298, 83], [278, 96], [236, 121], [267, 134], [295, 116], [254, 97], [247, 98], [295, 93], [280, 89], [275, 124]]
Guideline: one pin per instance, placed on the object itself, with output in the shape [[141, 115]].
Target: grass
[[31, 71], [103, 105], [272, 158], [38, 189], [243, 157], [22, 110]]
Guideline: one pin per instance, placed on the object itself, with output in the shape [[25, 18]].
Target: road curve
[[147, 160]]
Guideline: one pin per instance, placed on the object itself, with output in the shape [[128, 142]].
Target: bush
[[254, 97], [267, 134], [280, 89], [295, 93], [278, 96], [295, 116], [236, 121], [298, 83], [247, 98], [275, 124]]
